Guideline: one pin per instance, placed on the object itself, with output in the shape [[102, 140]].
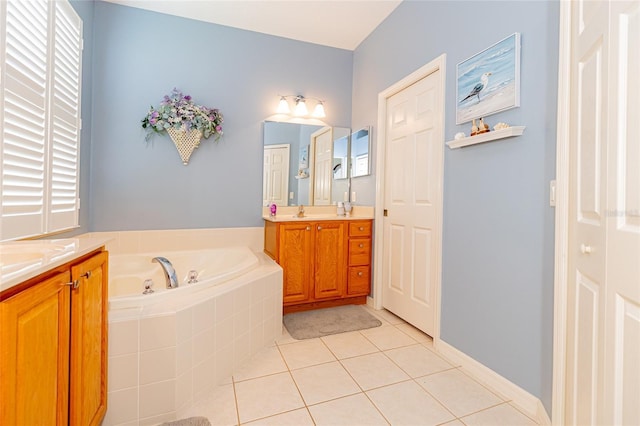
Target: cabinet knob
[[308, 228], [319, 228], [361, 245], [360, 273], [86, 275], [361, 228]]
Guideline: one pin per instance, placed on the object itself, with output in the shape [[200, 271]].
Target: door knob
[[585, 249], [308, 228]]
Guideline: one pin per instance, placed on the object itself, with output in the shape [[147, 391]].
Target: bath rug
[[323, 322], [191, 421]]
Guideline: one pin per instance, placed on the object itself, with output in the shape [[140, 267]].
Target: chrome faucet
[[169, 271]]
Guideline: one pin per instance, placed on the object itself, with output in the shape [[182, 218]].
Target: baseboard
[[509, 391]]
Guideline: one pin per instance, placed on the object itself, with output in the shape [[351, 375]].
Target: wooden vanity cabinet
[[359, 277], [318, 259], [53, 346]]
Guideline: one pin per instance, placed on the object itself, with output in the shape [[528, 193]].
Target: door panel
[[413, 185], [330, 273], [603, 290]]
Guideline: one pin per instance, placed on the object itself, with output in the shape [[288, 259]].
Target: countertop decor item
[[185, 122]]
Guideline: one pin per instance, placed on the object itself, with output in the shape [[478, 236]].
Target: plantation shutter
[[65, 140], [24, 124], [40, 47]]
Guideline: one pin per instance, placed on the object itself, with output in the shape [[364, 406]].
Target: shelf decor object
[[184, 121], [508, 132]]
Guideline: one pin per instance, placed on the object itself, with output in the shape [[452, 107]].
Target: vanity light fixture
[[300, 109]]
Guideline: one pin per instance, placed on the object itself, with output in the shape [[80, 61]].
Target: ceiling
[[336, 23]]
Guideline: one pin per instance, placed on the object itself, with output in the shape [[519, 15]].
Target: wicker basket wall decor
[[185, 142]]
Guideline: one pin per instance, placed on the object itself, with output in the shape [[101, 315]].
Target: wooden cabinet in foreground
[[53, 346], [325, 263]]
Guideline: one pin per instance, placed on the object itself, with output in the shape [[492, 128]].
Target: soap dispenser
[[340, 208]]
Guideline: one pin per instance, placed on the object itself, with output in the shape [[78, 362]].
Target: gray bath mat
[[322, 322], [191, 421]]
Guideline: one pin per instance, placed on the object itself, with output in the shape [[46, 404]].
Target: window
[[40, 79]]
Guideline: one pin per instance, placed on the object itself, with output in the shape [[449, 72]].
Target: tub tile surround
[[319, 382], [170, 355]]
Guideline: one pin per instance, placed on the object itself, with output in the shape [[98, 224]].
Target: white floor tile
[[267, 361], [266, 396], [348, 411], [408, 404], [374, 370], [298, 417], [387, 316], [387, 337], [458, 392], [414, 333], [347, 345], [323, 382], [306, 353], [417, 361], [503, 414], [219, 407]]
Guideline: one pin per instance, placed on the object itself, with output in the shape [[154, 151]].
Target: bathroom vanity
[[53, 311], [326, 259]]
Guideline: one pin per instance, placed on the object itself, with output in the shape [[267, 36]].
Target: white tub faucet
[[169, 271]]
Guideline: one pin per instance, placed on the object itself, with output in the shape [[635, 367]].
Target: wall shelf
[[509, 132]]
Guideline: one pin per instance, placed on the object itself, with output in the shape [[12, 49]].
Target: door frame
[[560, 296], [437, 64]]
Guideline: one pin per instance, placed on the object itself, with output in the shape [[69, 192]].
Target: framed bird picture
[[489, 81]]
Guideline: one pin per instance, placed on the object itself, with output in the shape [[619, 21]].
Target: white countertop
[[21, 260], [312, 218], [316, 213]]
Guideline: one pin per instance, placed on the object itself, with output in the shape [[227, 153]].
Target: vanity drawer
[[359, 279], [360, 251], [360, 229]]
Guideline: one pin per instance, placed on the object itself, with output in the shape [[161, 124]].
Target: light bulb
[[301, 107], [283, 106], [319, 110]]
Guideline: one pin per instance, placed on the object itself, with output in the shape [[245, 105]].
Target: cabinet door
[[330, 271], [295, 248], [88, 395], [34, 354]]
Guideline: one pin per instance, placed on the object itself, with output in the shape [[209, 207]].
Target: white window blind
[[40, 45]]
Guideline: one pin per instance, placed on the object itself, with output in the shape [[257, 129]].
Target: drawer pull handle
[[361, 228], [361, 245], [360, 273]]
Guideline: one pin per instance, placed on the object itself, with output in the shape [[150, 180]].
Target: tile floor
[[380, 376]]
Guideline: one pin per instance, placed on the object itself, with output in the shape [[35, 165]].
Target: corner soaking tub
[[128, 273], [180, 343]]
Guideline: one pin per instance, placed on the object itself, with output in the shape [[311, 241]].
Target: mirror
[[360, 148], [305, 164]]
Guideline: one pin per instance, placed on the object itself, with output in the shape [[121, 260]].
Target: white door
[[603, 282], [275, 179], [322, 141], [413, 202]]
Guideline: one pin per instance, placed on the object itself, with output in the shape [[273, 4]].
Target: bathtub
[[128, 273], [171, 348]]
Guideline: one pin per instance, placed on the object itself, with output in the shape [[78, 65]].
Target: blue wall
[[138, 57], [497, 278]]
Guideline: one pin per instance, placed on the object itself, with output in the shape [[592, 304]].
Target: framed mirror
[[360, 152], [299, 161]]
